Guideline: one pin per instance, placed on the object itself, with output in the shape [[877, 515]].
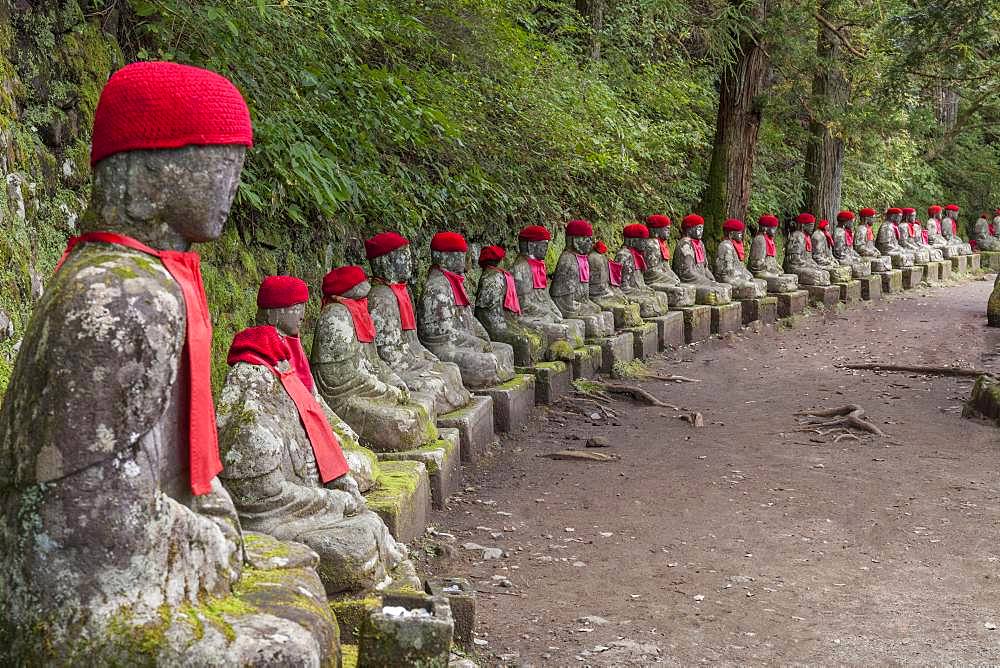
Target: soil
[[747, 541]]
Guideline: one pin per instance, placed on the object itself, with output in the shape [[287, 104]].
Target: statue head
[[693, 226], [635, 236], [281, 303], [910, 215], [894, 215], [579, 236], [845, 219], [390, 258], [448, 251], [867, 216], [733, 229], [951, 211], [348, 282], [806, 222], [533, 241], [934, 211], [768, 224], [491, 256], [659, 226]]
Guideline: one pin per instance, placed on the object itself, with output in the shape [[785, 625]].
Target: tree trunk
[[825, 148], [727, 192], [593, 10]]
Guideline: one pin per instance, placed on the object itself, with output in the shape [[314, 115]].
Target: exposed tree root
[[851, 415], [671, 378], [926, 370], [637, 394]]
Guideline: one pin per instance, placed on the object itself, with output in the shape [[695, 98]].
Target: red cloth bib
[[829, 238], [895, 230], [407, 321], [263, 346], [538, 278], [809, 242], [849, 237], [300, 361], [457, 282], [954, 227], [364, 328], [870, 235], [664, 249], [615, 273], [992, 230], [510, 300], [583, 268], [924, 236], [640, 261], [185, 268], [699, 251], [738, 245], [771, 247]]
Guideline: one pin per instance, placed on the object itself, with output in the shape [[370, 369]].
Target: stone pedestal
[[670, 328], [945, 267], [892, 282], [512, 402], [727, 318], [474, 422], [461, 595], [586, 361], [764, 309], [407, 640], [989, 260], [697, 323], [402, 498], [443, 461], [825, 296], [645, 340], [781, 282], [975, 262], [850, 293], [871, 288], [932, 272], [616, 348], [623, 314], [960, 264], [552, 380], [791, 303], [912, 277]]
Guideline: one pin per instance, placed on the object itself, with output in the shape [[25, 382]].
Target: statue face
[[808, 228], [770, 231], [734, 235], [659, 232], [848, 224], [394, 267], [286, 320], [580, 245], [198, 184], [359, 291], [695, 232], [895, 218], [533, 249], [453, 261], [911, 217]]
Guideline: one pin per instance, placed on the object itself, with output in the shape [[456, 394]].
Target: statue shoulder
[[334, 336], [381, 294], [251, 408]]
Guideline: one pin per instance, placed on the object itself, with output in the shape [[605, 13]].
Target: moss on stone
[[553, 367], [633, 369], [517, 382], [348, 656], [396, 486], [351, 612], [561, 350]]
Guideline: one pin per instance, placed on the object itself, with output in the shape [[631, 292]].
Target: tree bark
[[593, 10]]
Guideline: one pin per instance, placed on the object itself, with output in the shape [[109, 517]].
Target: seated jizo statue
[[798, 253], [911, 236], [949, 228], [284, 466], [864, 242], [763, 262], [822, 252], [730, 264], [606, 288], [658, 274], [887, 240], [932, 227], [652, 304], [356, 383], [431, 382], [570, 287], [498, 309], [690, 263], [843, 246], [114, 520], [447, 324], [983, 236]]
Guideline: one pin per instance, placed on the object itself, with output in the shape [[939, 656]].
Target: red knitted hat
[[579, 228], [733, 225], [383, 244], [449, 242], [535, 233], [635, 231], [805, 218], [908, 210], [600, 247], [342, 279], [845, 215], [868, 212], [933, 209], [951, 207], [893, 211], [692, 220], [823, 224], [158, 105], [658, 220], [282, 292], [768, 220], [491, 254]]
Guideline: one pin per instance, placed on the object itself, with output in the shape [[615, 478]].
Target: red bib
[[510, 300], [699, 251], [583, 268], [538, 278], [664, 249], [829, 238], [457, 282], [640, 261], [809, 242], [771, 247], [364, 328], [615, 273], [870, 235], [738, 245], [300, 361], [849, 237]]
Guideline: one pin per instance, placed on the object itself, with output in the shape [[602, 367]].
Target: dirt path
[[746, 541]]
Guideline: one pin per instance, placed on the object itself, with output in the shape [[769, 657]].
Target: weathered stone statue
[[354, 380], [763, 258], [864, 242], [391, 306], [822, 252], [729, 263], [115, 532], [949, 229], [983, 237], [606, 287], [798, 253], [658, 275], [283, 464], [690, 263], [447, 324], [499, 310], [932, 227], [537, 308], [570, 287], [888, 239], [843, 246], [912, 237], [652, 304]]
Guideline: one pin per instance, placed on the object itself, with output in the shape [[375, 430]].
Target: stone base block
[[912, 277], [645, 340], [552, 380], [764, 309], [850, 293], [351, 614], [975, 262], [402, 498], [840, 273], [714, 294], [989, 260], [892, 281], [945, 266], [825, 296], [407, 640], [727, 318], [932, 272], [443, 459], [781, 282], [880, 264], [616, 348], [670, 328], [871, 288], [697, 323], [461, 595], [474, 422], [791, 303], [586, 361], [901, 261], [680, 295], [960, 264], [512, 402]]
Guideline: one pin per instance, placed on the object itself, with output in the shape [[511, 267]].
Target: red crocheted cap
[[951, 207], [845, 215], [635, 231], [658, 220], [768, 220], [383, 244], [492, 254], [733, 225], [891, 211], [158, 105], [933, 209], [449, 242], [600, 247], [342, 279], [692, 220], [868, 212], [908, 210], [805, 218], [534, 233], [823, 224], [579, 228], [282, 292]]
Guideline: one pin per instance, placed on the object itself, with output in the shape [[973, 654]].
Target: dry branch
[[926, 370], [851, 415]]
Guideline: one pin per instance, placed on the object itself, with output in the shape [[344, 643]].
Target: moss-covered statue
[[447, 324], [843, 246], [763, 262], [652, 304], [911, 237], [606, 287], [365, 391], [949, 229], [864, 242], [887, 240], [570, 287], [284, 465], [984, 235], [730, 259], [798, 253], [118, 544], [822, 253], [656, 253], [690, 263], [932, 228], [498, 309]]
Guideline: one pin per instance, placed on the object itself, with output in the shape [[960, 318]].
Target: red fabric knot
[[539, 279], [699, 250], [664, 249], [615, 273], [583, 267], [457, 283], [638, 259], [282, 292], [383, 244]]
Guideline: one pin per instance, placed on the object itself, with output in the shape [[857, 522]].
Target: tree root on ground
[[636, 393], [851, 416], [959, 372]]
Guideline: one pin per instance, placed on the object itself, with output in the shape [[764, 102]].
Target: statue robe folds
[[763, 264], [570, 291], [843, 250], [606, 291], [690, 263], [887, 242], [799, 261], [983, 237], [660, 277], [498, 309], [864, 246], [537, 308], [822, 253], [729, 268], [652, 304]]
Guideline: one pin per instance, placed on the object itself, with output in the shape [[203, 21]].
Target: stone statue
[[864, 242], [537, 308], [933, 230], [822, 252], [798, 253], [447, 324], [499, 310], [283, 464], [570, 287], [391, 306], [630, 257], [115, 531], [914, 233], [729, 263], [949, 229], [606, 288], [843, 246], [888, 239], [690, 263], [658, 275], [365, 391], [984, 236], [763, 258]]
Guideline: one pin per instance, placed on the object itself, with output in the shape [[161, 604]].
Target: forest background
[[482, 116]]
